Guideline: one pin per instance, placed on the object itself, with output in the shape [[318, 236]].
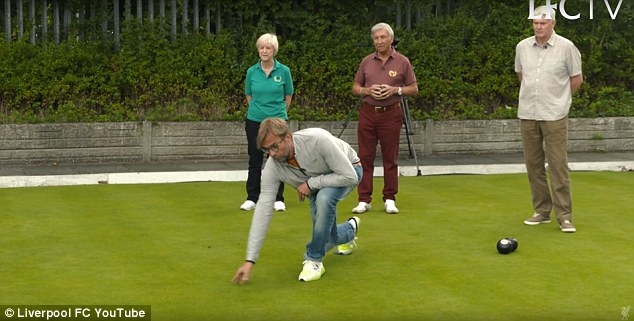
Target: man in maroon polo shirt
[[382, 79]]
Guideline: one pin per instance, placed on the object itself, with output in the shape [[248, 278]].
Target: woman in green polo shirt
[[269, 89]]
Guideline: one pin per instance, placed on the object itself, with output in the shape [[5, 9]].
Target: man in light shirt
[[324, 169], [549, 69]]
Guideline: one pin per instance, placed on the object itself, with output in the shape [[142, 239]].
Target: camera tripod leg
[[345, 123], [408, 129], [407, 118]]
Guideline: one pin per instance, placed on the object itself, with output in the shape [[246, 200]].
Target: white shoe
[[279, 206], [362, 208], [247, 206], [390, 207], [312, 271]]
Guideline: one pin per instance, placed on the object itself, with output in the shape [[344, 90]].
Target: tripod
[[407, 120]]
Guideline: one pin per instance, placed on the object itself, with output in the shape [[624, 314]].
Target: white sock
[[353, 222]]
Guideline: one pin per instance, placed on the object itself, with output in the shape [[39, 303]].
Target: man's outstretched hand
[[242, 275]]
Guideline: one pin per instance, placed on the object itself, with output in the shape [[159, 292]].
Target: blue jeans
[[323, 212]]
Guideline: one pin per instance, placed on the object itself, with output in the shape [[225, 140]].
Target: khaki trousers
[[547, 141]]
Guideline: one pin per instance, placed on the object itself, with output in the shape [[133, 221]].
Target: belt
[[357, 164], [382, 109]]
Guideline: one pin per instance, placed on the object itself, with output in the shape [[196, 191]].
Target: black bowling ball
[[505, 246], [514, 242]]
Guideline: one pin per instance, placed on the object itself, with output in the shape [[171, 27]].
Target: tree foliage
[[462, 51]]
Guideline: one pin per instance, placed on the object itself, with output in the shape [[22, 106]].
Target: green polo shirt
[[267, 93]]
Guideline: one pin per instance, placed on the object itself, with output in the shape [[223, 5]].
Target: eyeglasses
[[273, 147]]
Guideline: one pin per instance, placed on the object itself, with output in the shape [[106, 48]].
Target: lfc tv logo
[[565, 14]]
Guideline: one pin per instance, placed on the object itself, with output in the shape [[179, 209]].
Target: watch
[[400, 91]]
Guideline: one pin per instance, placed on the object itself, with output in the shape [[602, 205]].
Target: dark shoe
[[567, 227], [537, 219]]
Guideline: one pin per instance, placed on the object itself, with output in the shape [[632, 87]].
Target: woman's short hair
[[268, 39], [382, 25]]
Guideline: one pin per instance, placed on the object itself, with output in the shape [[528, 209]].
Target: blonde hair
[[273, 125], [268, 39]]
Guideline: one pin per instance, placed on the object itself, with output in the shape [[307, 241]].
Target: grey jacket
[[324, 160]]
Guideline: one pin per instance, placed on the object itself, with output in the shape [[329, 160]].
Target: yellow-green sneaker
[[346, 248], [312, 271]]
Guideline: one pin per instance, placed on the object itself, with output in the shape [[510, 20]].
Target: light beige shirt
[[545, 92]]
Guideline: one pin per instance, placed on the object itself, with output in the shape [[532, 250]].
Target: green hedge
[[463, 62]]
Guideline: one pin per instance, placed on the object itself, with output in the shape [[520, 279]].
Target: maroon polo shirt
[[397, 71]]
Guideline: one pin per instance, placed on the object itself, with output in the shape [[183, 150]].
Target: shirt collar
[[392, 54], [549, 43], [275, 64]]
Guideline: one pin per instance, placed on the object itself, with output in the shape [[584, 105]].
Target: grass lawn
[[176, 247]]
